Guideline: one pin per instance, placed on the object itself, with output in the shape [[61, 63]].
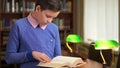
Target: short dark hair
[[54, 5]]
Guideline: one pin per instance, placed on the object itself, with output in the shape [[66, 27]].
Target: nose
[[50, 19]]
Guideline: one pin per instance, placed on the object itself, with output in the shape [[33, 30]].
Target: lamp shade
[[74, 38], [106, 44]]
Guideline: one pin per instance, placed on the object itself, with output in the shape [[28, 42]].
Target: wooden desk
[[91, 64]]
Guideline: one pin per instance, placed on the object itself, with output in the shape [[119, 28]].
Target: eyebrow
[[50, 16]]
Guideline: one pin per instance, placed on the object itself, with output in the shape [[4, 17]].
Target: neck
[[33, 15]]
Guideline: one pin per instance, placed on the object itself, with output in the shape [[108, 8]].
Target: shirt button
[[51, 40]]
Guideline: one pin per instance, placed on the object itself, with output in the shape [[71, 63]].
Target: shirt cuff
[[29, 56]]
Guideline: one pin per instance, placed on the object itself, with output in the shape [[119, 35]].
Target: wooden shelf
[[11, 15], [65, 15]]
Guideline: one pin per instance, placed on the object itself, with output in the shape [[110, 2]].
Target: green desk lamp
[[104, 45], [73, 38]]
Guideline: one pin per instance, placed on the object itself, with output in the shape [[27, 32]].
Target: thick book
[[63, 62]]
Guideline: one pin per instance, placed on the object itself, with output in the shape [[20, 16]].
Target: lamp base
[[104, 66], [71, 54]]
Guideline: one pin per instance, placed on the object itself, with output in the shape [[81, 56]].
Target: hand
[[41, 56]]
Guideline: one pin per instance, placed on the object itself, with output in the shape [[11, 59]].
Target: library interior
[[91, 20]]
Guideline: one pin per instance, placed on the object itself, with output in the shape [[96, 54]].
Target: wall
[[100, 19]]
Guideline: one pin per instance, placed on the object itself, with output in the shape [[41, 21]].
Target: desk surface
[[91, 64]]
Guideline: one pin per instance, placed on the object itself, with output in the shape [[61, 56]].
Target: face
[[46, 16]]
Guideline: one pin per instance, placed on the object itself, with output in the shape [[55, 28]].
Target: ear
[[38, 8]]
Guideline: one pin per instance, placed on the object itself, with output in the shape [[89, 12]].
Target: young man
[[35, 39]]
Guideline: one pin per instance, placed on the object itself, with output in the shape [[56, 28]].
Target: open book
[[63, 62]]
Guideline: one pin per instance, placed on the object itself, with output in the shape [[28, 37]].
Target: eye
[[48, 16]]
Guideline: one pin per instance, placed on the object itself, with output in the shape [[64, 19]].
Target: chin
[[47, 23]]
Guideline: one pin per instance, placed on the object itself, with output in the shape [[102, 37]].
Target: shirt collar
[[34, 23]]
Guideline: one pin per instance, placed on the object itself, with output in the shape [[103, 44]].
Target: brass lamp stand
[[104, 62], [73, 38], [104, 45]]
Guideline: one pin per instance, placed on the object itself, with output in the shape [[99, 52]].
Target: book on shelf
[[63, 62], [59, 22], [30, 6], [7, 23], [1, 25], [13, 6], [7, 6], [66, 6]]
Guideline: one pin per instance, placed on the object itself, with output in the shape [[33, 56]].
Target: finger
[[46, 58], [43, 60]]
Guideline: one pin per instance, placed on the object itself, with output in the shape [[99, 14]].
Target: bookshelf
[[11, 10]]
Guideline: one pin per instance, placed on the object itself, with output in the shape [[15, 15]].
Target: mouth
[[47, 22]]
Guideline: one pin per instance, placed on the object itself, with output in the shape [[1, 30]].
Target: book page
[[72, 61], [65, 61]]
